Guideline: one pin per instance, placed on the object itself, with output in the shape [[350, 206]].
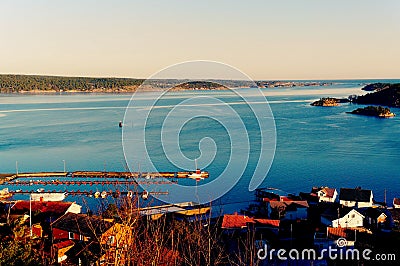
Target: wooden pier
[[100, 174]]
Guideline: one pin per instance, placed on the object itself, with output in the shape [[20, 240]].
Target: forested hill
[[32, 83]]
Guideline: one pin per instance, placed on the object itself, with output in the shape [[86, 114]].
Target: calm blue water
[[315, 146]]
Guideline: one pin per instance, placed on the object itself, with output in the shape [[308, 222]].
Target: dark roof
[[82, 224], [371, 212], [396, 201], [289, 205], [355, 194]]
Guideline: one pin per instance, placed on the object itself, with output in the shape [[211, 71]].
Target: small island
[[326, 102], [377, 111]]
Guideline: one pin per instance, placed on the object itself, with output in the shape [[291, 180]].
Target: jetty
[[100, 174]]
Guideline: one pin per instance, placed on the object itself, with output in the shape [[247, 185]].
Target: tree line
[[18, 83]]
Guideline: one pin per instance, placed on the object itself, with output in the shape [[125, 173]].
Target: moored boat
[[48, 196]]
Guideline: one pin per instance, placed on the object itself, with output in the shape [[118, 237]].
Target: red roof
[[42, 206], [329, 192], [232, 221], [236, 221], [338, 232], [64, 244], [271, 222]]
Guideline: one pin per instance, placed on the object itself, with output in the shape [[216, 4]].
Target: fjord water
[[315, 146]]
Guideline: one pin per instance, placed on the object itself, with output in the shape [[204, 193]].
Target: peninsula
[[384, 94]]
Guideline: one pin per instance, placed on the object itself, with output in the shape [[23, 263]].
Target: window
[[70, 235], [110, 240]]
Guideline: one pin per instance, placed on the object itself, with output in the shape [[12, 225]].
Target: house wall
[[348, 203], [352, 219], [301, 213], [364, 204], [358, 204], [60, 234], [74, 208]]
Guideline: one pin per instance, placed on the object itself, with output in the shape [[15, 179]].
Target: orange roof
[[337, 232], [236, 221], [329, 192], [231, 221], [268, 222]]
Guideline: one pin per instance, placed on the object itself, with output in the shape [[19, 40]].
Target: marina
[[56, 186]]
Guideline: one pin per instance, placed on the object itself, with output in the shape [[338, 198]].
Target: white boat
[[48, 196], [5, 194], [197, 175]]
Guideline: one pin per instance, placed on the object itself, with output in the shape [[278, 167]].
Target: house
[[324, 194], [342, 217], [351, 219], [288, 210], [356, 197], [396, 202], [374, 217], [94, 233]]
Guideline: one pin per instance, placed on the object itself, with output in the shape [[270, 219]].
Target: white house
[[351, 219], [356, 197], [325, 194]]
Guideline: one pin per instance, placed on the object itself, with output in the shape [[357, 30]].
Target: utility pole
[[385, 197], [16, 166], [30, 214], [64, 166]]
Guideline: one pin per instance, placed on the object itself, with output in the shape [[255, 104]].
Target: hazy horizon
[[267, 40]]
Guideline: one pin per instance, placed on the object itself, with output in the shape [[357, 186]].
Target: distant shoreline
[[50, 85]]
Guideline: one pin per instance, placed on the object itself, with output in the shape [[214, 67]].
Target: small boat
[[97, 194], [48, 196], [197, 175], [145, 195], [5, 194], [120, 124], [103, 194]]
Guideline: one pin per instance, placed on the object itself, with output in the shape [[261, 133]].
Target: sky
[[297, 39]]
